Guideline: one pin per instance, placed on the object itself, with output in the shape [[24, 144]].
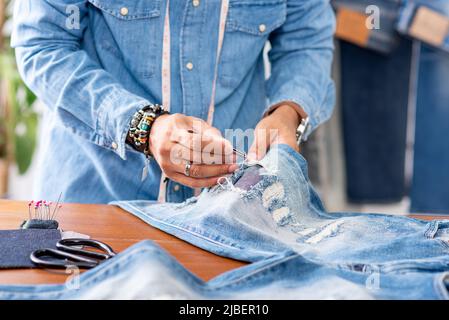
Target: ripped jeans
[[269, 214], [272, 208]]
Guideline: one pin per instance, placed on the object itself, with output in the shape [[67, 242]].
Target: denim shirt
[[94, 76]]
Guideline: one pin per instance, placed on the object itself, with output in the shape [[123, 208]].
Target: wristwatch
[[301, 130]]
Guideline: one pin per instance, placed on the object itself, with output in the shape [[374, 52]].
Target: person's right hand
[[176, 139]]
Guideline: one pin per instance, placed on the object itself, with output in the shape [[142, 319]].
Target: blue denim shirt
[[94, 77]]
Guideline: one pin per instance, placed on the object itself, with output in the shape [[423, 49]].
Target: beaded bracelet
[[140, 128]]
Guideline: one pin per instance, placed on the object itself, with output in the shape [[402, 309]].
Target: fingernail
[[233, 167]]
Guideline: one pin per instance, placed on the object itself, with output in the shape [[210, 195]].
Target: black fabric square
[[17, 245]]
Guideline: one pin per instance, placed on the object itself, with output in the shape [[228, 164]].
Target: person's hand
[[176, 140], [277, 128]]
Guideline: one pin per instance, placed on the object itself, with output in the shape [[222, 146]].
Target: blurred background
[[386, 148]]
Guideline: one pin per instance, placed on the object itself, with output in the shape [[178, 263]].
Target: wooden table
[[115, 227], [119, 229]]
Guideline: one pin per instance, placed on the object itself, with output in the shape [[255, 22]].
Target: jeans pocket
[[439, 231], [129, 30]]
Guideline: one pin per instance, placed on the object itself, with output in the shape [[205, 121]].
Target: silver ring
[[187, 168]]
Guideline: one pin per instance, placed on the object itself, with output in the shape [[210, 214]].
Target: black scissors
[[69, 253]]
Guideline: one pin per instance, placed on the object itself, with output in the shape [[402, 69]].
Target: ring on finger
[[187, 168]]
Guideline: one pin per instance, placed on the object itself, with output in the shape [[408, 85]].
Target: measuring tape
[[166, 75]]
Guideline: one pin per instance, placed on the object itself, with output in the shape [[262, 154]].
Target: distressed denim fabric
[[145, 271], [93, 77], [283, 212]]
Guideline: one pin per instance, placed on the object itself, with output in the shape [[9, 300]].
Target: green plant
[[18, 120]]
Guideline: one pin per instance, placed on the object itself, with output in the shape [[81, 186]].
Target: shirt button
[[189, 65], [124, 11], [176, 187], [114, 145], [262, 27], [196, 3]]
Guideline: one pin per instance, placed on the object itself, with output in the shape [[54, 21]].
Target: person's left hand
[[277, 128]]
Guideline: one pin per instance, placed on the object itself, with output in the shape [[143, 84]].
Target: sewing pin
[[29, 209], [39, 210], [57, 211], [45, 210], [49, 209], [56, 207], [240, 153]]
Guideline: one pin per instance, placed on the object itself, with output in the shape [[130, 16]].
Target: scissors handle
[[69, 245], [61, 259], [69, 252]]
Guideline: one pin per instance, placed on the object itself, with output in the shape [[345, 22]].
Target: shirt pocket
[[248, 26], [130, 30]]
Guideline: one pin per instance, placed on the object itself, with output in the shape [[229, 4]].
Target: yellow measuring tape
[[166, 81]]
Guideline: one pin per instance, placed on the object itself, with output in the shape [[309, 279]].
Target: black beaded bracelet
[[140, 128]]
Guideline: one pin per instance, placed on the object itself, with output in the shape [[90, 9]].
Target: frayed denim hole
[[257, 190], [282, 216], [321, 233], [277, 204], [274, 203], [275, 191]]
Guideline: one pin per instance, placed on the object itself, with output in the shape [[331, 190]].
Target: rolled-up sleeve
[[87, 100], [301, 59]]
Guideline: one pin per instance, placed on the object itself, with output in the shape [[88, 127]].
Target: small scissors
[[69, 253]]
